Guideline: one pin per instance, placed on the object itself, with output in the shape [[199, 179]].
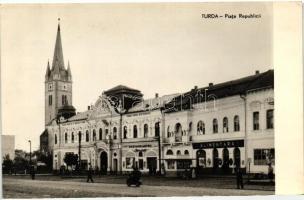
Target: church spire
[[58, 63], [48, 70]]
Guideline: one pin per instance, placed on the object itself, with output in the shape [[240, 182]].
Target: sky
[[160, 48]]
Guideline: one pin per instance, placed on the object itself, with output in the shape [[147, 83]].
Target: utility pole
[[30, 151]]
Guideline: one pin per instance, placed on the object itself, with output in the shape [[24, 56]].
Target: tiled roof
[[81, 116], [152, 103], [121, 87], [226, 89]]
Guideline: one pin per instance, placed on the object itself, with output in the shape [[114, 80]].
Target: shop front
[[218, 157]]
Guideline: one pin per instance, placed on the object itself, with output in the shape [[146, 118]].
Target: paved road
[[22, 188]]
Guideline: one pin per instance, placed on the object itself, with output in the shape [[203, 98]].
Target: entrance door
[[115, 166], [103, 162], [237, 157], [152, 165], [200, 161], [215, 158], [225, 165]]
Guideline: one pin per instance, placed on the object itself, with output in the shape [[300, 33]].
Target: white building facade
[[211, 129]]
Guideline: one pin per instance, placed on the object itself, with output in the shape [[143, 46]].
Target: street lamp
[[30, 151]]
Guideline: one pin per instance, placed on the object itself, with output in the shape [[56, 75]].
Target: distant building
[[8, 146]]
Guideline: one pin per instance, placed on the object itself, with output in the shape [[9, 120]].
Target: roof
[[225, 89], [152, 103], [81, 116], [121, 88]]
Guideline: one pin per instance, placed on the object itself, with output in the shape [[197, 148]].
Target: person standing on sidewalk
[[90, 174], [239, 178]]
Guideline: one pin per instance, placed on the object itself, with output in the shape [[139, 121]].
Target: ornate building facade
[[213, 129]]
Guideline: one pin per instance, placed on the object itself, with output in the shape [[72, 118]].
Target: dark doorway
[[237, 157], [152, 165], [103, 162], [200, 162], [225, 165], [215, 160]]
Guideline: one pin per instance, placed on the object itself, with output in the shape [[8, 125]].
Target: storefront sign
[[218, 144], [139, 146]]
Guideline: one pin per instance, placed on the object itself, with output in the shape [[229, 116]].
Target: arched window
[[169, 152], [269, 119], [186, 152], [79, 136], [100, 133], [134, 131], [225, 125], [190, 127], [87, 136], [114, 133], [146, 129], [200, 128], [178, 132], [236, 123], [157, 129], [215, 126], [168, 131], [72, 137], [65, 138], [94, 135], [178, 152], [55, 139], [140, 154], [125, 132]]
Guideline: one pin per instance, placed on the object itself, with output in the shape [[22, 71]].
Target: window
[[186, 152], [183, 164], [114, 133], [134, 131], [200, 128], [168, 131], [65, 138], [50, 100], [190, 127], [215, 126], [94, 135], [169, 152], [55, 139], [225, 125], [79, 136], [146, 129], [157, 129], [100, 133], [171, 164], [130, 162], [264, 156], [141, 164], [269, 120], [72, 137], [125, 132], [236, 123], [64, 100], [87, 136], [256, 125], [178, 152]]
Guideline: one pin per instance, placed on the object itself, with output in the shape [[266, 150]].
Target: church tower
[[58, 82]]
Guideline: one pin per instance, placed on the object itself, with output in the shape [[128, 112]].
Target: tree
[[21, 161], [7, 164], [70, 159]]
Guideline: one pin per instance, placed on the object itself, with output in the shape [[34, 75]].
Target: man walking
[[239, 178], [90, 174]]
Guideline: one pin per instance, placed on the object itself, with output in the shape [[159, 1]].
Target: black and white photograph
[[138, 100]]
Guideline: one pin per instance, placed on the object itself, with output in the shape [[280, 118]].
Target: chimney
[[195, 87], [210, 84], [156, 95], [257, 72]]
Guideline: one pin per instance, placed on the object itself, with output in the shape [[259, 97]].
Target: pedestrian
[[90, 174], [239, 178], [270, 172], [32, 172]]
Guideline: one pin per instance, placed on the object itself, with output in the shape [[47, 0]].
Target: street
[[55, 187]]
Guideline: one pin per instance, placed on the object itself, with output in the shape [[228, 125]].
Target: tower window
[[64, 100], [50, 100]]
